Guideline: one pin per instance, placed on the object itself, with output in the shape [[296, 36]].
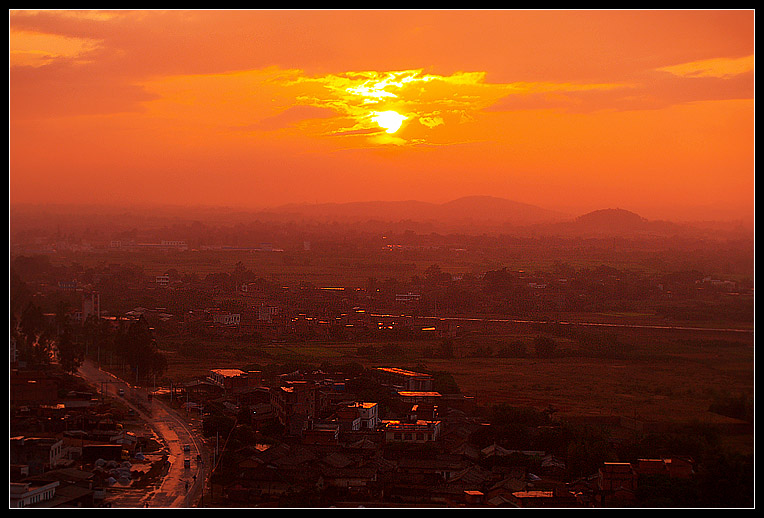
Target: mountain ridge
[[465, 209], [465, 215]]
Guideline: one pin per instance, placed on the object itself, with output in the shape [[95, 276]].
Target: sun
[[390, 120]]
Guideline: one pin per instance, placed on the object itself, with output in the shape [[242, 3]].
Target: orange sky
[[650, 111]]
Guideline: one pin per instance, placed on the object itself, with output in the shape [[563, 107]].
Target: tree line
[[44, 340]]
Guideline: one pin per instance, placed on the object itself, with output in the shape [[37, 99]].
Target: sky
[[649, 111]]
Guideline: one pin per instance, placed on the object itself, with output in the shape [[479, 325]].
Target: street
[[182, 486]]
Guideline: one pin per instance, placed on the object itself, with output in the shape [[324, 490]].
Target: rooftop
[[402, 372]]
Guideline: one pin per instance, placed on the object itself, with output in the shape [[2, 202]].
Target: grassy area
[[661, 378]]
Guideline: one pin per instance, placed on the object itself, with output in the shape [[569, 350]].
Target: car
[[121, 392], [186, 448], [187, 463]]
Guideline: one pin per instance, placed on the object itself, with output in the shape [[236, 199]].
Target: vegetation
[[555, 329]]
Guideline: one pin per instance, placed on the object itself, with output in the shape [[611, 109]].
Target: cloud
[[717, 67], [430, 99], [709, 80], [28, 48], [60, 89], [289, 117]]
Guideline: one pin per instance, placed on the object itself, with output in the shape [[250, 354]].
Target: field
[[662, 374], [667, 377]]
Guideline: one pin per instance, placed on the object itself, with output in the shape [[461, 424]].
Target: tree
[[96, 336], [71, 352], [138, 348], [36, 338]]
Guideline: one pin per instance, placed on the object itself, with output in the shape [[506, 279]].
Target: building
[[347, 419], [266, 313], [369, 415], [30, 494], [40, 454], [294, 404], [419, 432], [405, 380], [407, 297], [91, 305], [180, 245], [67, 285], [536, 498], [232, 380], [614, 476], [426, 411], [415, 397], [227, 319]]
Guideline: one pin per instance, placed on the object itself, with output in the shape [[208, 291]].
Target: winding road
[[181, 486]]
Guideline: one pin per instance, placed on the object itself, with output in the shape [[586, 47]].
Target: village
[[353, 259], [299, 439], [228, 355]]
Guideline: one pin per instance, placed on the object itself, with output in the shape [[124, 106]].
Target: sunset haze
[[571, 111]]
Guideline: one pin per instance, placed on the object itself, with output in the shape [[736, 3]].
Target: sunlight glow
[[369, 100], [390, 120]]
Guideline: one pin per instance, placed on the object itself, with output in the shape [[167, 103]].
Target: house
[[358, 416], [445, 467], [347, 419], [419, 431], [552, 467], [349, 477], [412, 397], [226, 318], [405, 380], [232, 380], [29, 494], [326, 436], [294, 404], [617, 475], [424, 411], [38, 453], [76, 488], [554, 498], [473, 497]]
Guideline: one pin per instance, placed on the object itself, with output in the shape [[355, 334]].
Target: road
[[181, 486], [566, 323]]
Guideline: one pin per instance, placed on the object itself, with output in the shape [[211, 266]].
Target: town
[[374, 425], [379, 258]]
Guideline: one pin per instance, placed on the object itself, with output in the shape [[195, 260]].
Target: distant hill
[[467, 215], [611, 220], [616, 222], [470, 210], [498, 210], [356, 211]]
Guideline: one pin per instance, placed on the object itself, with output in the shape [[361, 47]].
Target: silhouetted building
[[294, 404], [405, 380]]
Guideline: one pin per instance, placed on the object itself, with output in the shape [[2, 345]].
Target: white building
[[25, 494], [369, 414]]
